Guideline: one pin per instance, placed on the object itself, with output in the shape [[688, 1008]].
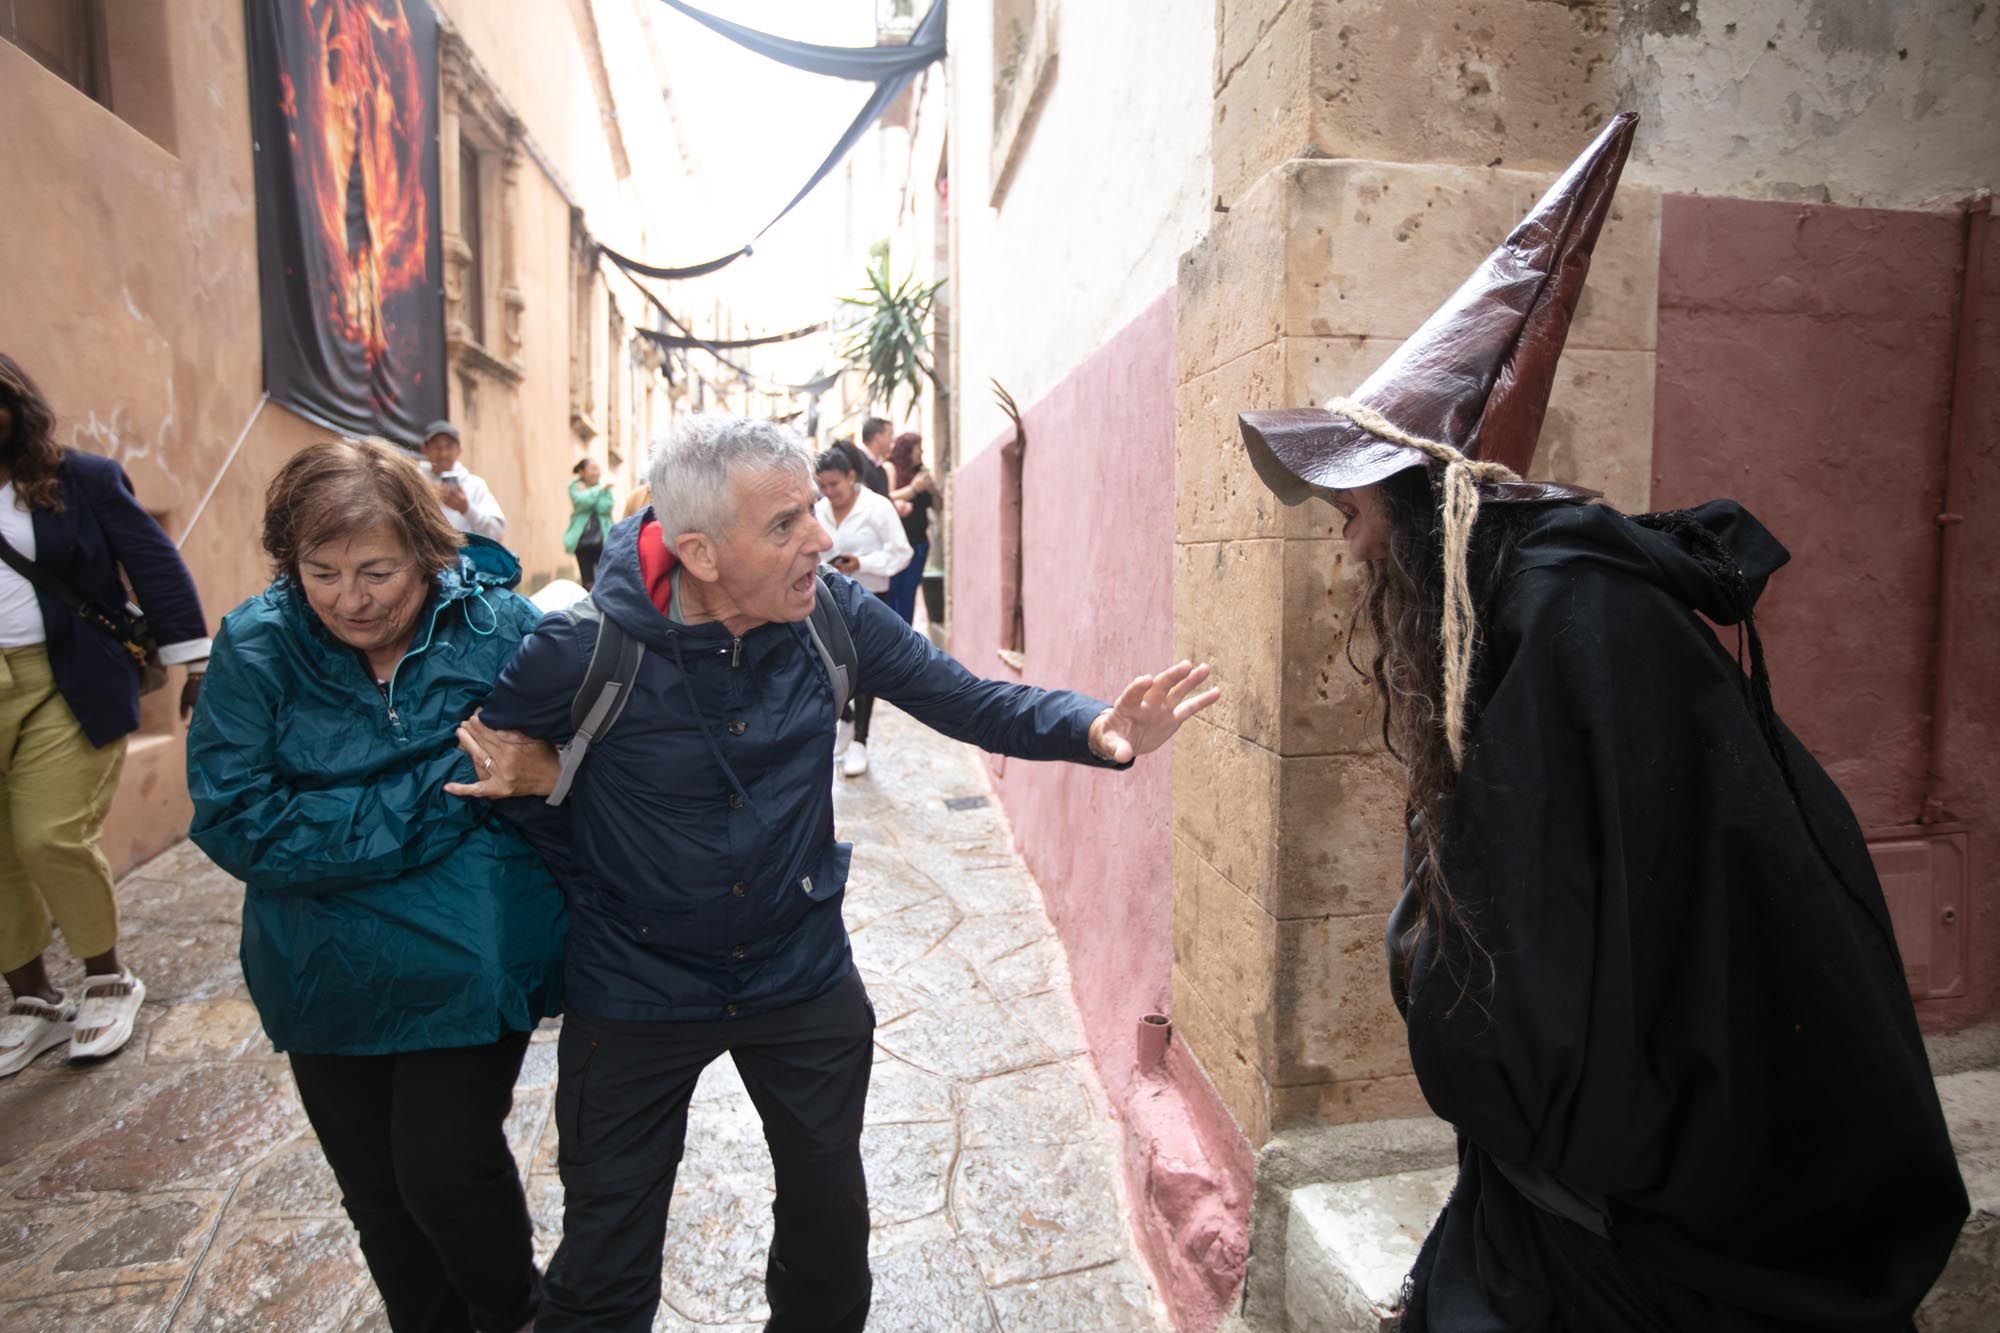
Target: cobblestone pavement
[[178, 1184]]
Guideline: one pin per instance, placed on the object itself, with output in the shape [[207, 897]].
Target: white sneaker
[[31, 1026], [856, 762], [107, 1006], [843, 736]]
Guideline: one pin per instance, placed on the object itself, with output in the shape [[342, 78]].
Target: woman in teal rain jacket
[[589, 519], [400, 942]]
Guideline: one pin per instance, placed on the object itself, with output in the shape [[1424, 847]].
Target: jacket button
[[738, 951], [729, 1010], [739, 888], [738, 727], [736, 800]]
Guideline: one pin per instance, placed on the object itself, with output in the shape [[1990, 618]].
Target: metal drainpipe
[[1978, 212]]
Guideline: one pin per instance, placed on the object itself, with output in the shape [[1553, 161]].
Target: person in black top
[[875, 452], [865, 467], [915, 493]]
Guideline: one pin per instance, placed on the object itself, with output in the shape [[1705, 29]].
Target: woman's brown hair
[[906, 458], [29, 448], [341, 487]]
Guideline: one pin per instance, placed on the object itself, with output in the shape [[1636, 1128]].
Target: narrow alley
[[178, 1186]]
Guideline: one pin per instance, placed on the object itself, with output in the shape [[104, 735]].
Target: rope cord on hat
[[1460, 623]]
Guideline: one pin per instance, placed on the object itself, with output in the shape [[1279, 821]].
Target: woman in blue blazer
[[69, 695]]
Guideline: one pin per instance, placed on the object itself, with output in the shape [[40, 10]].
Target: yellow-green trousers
[[54, 790]]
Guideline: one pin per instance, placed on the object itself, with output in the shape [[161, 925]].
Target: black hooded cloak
[[1690, 1091]]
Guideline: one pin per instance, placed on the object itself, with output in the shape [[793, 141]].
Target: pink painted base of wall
[[1098, 538]]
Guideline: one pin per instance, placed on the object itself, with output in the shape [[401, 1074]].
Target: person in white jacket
[[468, 503], [870, 548]]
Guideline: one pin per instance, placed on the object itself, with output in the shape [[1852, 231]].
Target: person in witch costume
[[1645, 964]]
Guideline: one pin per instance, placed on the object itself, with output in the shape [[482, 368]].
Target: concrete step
[[1349, 1243]]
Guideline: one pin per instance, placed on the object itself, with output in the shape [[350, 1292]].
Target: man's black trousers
[[621, 1110], [418, 1144]]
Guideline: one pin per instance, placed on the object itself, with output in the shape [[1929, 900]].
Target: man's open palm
[[1150, 711]]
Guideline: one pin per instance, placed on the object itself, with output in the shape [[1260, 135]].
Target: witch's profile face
[[1367, 529]]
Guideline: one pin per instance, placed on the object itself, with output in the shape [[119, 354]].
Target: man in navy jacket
[[705, 880]]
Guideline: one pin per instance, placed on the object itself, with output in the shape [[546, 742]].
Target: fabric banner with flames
[[343, 100]]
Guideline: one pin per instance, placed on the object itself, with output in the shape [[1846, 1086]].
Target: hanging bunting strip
[[682, 340], [903, 63], [693, 271], [864, 64]]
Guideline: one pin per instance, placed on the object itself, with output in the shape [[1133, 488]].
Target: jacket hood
[[482, 564], [620, 590], [1575, 534]]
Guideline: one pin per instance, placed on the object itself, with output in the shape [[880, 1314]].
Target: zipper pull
[[736, 654]]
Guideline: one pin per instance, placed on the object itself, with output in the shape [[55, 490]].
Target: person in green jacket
[[589, 519], [400, 942]]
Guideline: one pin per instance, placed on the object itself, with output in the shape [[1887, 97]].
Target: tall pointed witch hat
[[1467, 390], [1476, 377]]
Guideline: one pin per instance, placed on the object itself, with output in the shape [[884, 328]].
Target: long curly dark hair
[[1400, 611], [29, 449]]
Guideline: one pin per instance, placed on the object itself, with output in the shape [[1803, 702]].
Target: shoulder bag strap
[[62, 592]]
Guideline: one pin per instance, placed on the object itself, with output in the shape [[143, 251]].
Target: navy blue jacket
[[705, 880], [100, 531]]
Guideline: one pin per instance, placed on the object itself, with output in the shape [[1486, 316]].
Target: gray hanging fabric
[[889, 68]]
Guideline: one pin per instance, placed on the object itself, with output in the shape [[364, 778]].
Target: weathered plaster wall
[[1855, 101], [128, 286], [1875, 102], [1098, 542], [1112, 186], [1805, 368]]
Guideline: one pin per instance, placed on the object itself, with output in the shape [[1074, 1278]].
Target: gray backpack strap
[[830, 636], [607, 686]]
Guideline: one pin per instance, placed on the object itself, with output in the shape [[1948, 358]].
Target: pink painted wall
[[1805, 369], [1098, 535]]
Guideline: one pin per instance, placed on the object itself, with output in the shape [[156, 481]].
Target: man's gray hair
[[693, 467]]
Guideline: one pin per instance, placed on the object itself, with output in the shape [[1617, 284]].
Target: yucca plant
[[889, 346]]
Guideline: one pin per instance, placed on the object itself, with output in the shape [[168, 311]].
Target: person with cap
[[1642, 954], [468, 502]]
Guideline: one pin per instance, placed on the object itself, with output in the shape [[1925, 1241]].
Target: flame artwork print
[[346, 120]]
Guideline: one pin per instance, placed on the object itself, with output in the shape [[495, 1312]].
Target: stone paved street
[[178, 1185]]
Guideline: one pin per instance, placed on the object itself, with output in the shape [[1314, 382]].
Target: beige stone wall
[[1366, 155], [128, 286], [1287, 815]]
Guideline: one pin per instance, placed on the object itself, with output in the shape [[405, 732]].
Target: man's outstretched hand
[[508, 763], [1149, 712]]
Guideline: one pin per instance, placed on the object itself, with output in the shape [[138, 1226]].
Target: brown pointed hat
[[1476, 376]]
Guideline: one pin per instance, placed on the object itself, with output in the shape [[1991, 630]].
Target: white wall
[[1112, 187]]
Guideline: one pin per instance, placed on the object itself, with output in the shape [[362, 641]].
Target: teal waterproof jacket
[[381, 913]]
